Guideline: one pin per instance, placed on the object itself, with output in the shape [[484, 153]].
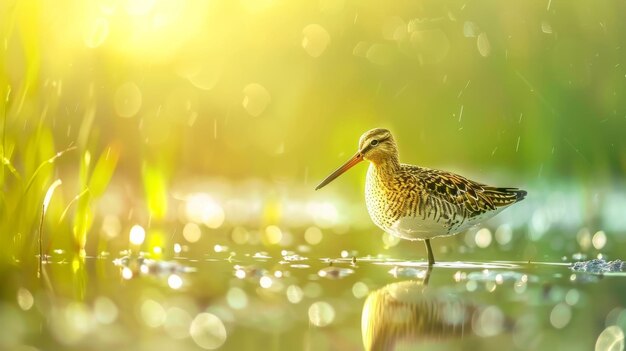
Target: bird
[[419, 203], [409, 313]]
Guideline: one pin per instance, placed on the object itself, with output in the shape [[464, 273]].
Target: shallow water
[[291, 300]]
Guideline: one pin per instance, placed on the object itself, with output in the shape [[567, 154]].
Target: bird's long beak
[[358, 157]]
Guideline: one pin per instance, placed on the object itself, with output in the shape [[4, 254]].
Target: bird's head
[[376, 146]]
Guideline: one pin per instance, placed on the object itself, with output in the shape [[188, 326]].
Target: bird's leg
[[427, 275], [429, 250]]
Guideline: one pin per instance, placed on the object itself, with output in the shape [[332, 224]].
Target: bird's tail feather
[[505, 196]]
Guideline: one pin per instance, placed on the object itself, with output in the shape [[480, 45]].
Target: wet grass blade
[[43, 164]]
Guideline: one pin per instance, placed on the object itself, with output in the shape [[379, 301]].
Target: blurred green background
[[253, 102], [166, 93]]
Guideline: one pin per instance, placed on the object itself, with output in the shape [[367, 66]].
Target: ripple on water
[[600, 266], [333, 272], [453, 265]]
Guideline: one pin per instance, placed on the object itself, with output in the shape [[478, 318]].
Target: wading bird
[[417, 203]]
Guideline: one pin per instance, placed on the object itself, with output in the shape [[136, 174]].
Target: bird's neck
[[387, 166]]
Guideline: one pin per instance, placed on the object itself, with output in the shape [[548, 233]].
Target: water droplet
[[560, 316], [321, 314], [175, 281], [360, 290], [127, 273], [25, 299], [105, 310], [96, 33], [483, 238], [584, 238], [520, 286], [294, 294], [599, 240], [471, 285], [127, 100], [572, 297], [315, 40], [470, 29], [152, 313], [266, 282], [504, 234], [137, 235], [237, 298], [220, 248], [192, 232], [208, 331], [313, 235], [272, 235], [611, 339], [488, 322], [256, 98], [484, 47]]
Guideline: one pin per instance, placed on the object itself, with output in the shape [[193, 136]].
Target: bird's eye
[[374, 142]]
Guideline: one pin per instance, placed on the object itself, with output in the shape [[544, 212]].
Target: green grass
[[33, 161]]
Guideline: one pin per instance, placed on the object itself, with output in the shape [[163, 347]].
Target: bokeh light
[[208, 331], [137, 235], [152, 313], [321, 314], [611, 339]]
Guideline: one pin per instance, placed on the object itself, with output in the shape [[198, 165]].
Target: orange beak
[[358, 157]]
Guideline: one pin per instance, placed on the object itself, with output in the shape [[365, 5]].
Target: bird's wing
[[474, 197]]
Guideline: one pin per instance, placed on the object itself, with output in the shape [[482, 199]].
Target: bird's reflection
[[410, 311]]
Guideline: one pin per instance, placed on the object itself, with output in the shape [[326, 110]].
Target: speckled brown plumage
[[417, 203], [444, 197]]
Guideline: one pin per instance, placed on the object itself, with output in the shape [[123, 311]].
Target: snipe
[[417, 203]]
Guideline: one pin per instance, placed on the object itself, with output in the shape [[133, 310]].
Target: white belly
[[417, 228]]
